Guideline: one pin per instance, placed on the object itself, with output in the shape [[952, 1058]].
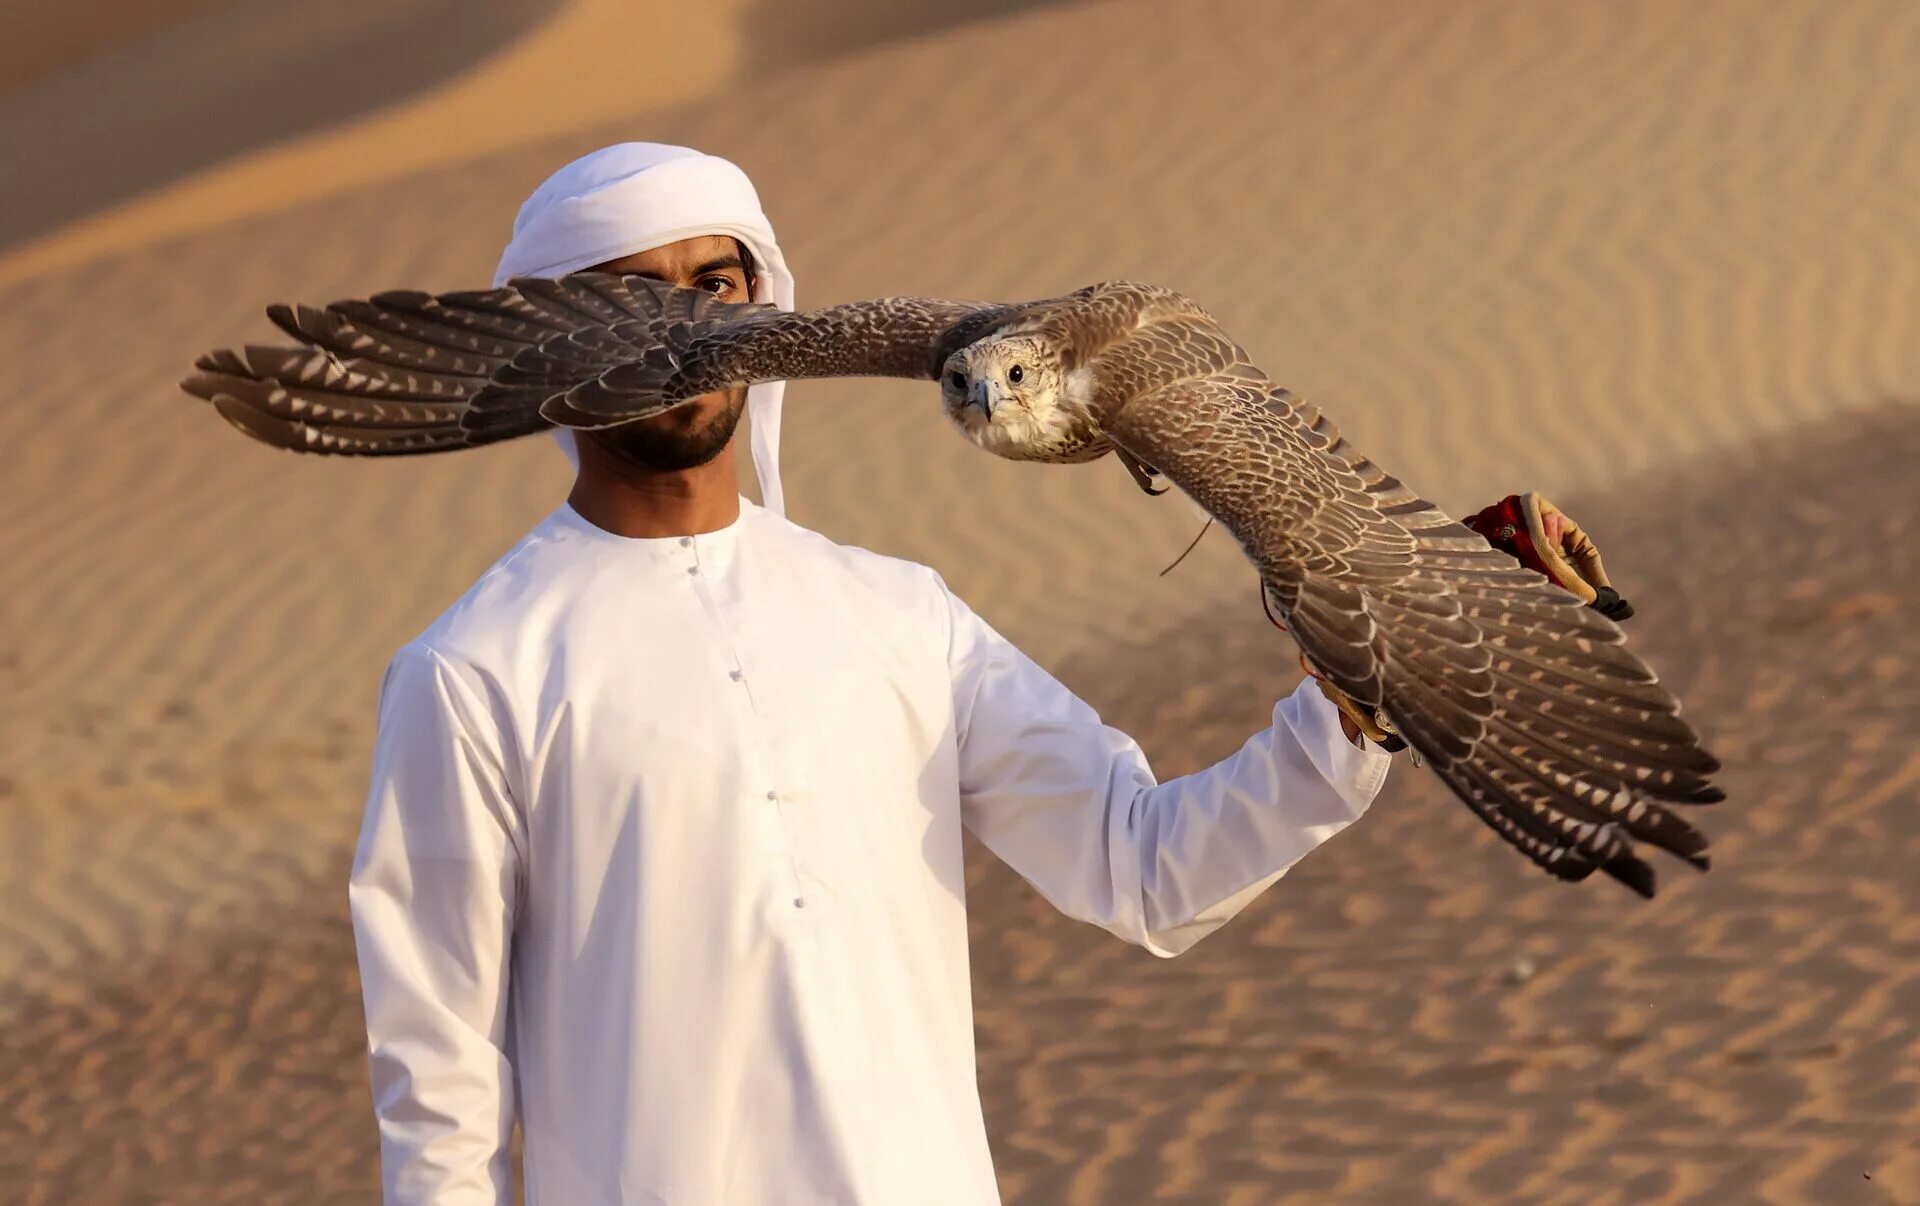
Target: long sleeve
[[433, 894], [1072, 805]]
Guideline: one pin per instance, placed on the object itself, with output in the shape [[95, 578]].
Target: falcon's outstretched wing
[[1526, 702], [412, 372]]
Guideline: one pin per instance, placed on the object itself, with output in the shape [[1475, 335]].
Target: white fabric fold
[[635, 196]]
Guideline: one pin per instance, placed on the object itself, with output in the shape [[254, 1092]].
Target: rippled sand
[[1660, 261]]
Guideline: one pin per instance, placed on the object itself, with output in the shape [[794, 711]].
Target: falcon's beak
[[982, 397]]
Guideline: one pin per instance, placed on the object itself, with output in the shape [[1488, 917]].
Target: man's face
[[695, 432]]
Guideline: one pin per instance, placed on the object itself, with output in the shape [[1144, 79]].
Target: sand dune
[[283, 105], [1659, 261], [247, 75], [42, 38]]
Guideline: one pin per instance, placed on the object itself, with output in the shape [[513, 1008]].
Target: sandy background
[[1660, 261]]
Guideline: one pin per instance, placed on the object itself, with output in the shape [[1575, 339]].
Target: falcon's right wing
[[411, 372]]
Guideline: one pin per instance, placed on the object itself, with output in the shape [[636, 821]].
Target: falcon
[[1523, 700]]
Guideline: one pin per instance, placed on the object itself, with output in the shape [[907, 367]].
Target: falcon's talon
[[1143, 474]]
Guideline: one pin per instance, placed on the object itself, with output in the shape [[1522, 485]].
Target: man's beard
[[665, 447]]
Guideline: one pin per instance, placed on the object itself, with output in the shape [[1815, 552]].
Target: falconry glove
[[1544, 539], [1541, 537]]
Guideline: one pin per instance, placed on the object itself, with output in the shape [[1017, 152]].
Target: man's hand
[[1541, 537]]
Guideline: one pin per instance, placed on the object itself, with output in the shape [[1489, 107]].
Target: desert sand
[[1661, 262]]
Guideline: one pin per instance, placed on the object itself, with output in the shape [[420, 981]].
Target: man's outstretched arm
[[1072, 805], [433, 894]]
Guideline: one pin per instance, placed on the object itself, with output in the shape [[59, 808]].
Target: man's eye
[[719, 286]]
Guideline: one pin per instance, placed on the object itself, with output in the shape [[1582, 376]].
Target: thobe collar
[[715, 547]]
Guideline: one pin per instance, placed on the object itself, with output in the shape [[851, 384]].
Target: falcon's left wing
[[1527, 703], [412, 373]]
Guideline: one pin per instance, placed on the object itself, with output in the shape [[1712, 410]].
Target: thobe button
[[799, 902], [773, 795], [736, 675], [693, 569], [686, 542]]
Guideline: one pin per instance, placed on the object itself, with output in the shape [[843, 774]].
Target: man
[[662, 853]]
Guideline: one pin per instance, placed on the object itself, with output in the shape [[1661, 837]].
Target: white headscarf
[[635, 196]]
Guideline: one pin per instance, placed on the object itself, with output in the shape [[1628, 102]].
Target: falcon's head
[[1011, 396]]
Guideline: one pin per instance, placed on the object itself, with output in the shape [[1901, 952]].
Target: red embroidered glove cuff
[[1517, 526]]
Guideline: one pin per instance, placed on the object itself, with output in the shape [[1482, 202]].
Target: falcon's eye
[[1014, 375], [958, 378]]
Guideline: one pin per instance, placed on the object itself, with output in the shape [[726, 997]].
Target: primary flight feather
[[1526, 703]]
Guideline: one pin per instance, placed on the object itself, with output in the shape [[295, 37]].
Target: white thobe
[[663, 855]]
